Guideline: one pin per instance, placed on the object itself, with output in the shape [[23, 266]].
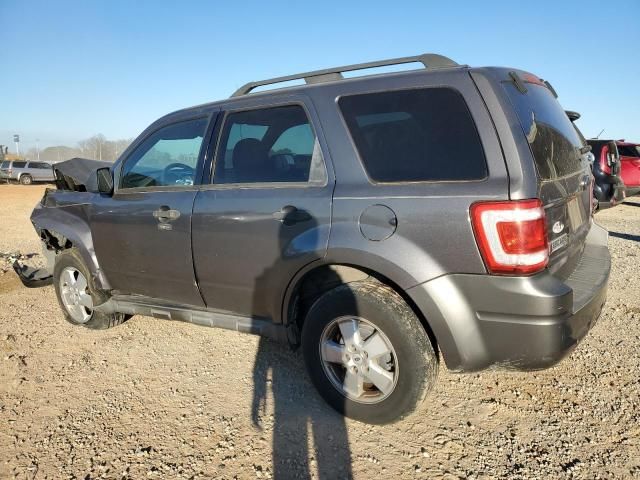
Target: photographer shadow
[[309, 439]]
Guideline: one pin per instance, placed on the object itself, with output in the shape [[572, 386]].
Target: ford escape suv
[[376, 222]]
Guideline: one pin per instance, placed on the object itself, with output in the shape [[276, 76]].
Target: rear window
[[19, 164], [418, 135], [5, 164], [554, 142]]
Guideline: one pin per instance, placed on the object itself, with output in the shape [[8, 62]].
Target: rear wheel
[[26, 179], [76, 294], [367, 353]]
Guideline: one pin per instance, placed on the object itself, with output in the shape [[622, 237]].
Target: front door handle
[[290, 215], [166, 214]]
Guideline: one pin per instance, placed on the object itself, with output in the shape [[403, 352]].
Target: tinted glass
[[269, 145], [554, 142], [415, 135], [39, 165], [629, 150], [169, 157], [19, 164], [5, 164]]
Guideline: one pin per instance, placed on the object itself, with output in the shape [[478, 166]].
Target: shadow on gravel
[[626, 236], [631, 204], [310, 439]]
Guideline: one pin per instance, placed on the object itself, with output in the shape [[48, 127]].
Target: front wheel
[[367, 353], [76, 294]]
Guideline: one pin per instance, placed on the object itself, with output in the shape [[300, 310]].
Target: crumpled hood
[[78, 174]]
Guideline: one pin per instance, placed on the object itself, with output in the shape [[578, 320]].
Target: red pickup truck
[[630, 165]]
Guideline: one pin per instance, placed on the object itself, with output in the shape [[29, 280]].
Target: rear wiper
[[517, 81]]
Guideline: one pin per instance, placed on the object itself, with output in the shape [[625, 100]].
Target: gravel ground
[[159, 399]]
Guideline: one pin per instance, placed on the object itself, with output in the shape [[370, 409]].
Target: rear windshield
[[418, 135], [5, 164], [554, 142]]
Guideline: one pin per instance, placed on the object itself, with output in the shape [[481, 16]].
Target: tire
[[75, 292], [26, 179], [379, 316]]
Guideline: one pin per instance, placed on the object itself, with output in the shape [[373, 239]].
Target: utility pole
[[38, 148]]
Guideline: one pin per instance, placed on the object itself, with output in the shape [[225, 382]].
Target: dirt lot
[[158, 399]]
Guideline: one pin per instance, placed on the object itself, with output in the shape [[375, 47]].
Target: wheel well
[[324, 278], [54, 241]]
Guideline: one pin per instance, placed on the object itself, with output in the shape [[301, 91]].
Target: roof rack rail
[[429, 60]]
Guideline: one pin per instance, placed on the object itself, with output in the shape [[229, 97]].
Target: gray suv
[[26, 172], [379, 223]]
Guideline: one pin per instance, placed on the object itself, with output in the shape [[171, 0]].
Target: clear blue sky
[[70, 69]]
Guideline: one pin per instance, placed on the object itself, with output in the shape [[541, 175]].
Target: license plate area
[[576, 217]]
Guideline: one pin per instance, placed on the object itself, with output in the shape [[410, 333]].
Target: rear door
[[267, 211], [562, 165], [142, 233]]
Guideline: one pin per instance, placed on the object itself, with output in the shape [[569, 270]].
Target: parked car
[[630, 166], [609, 188], [374, 222], [26, 172]]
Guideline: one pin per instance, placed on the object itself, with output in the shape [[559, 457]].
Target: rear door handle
[[290, 215], [166, 214]]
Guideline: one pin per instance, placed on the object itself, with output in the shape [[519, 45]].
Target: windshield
[[554, 142]]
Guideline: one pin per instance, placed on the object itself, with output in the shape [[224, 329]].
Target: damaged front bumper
[[32, 277]]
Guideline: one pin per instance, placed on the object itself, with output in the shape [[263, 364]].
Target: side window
[[19, 164], [169, 157], [269, 145], [39, 165], [417, 135], [628, 151]]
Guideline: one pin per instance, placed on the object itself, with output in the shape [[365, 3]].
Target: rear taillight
[[511, 236]]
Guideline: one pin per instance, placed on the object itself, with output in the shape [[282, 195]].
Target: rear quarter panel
[[434, 234]]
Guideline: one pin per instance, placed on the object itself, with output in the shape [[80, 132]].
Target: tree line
[[97, 147]]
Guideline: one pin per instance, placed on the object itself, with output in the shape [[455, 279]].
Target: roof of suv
[[430, 61]]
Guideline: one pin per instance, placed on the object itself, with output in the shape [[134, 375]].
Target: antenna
[[598, 136]]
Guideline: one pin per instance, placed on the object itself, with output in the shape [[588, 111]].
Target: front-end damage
[[61, 220]]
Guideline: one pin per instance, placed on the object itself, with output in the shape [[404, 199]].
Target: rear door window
[[554, 142], [269, 145], [418, 135], [19, 164]]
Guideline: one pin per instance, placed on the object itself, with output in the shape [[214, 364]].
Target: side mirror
[[105, 181]]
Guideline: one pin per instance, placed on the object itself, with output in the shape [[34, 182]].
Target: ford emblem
[[558, 227]]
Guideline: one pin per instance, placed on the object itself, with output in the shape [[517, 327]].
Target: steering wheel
[[178, 174]]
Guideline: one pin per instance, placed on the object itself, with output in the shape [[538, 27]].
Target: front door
[[266, 213], [142, 234]]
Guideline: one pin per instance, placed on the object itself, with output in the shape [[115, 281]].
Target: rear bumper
[[524, 323]]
